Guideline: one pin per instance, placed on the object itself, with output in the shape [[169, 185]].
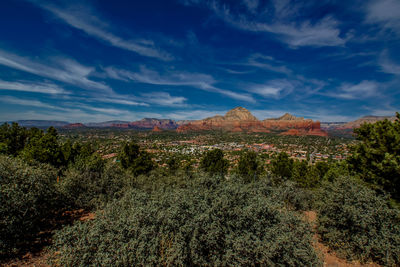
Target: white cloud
[[384, 12], [82, 18], [267, 63], [251, 5], [33, 87], [387, 65], [125, 101], [63, 69], [176, 78], [274, 88], [164, 99], [73, 112], [26, 102], [324, 32], [363, 89]]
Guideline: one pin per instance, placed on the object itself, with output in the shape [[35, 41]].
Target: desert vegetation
[[220, 212]]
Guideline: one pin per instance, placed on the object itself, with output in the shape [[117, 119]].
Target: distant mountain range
[[237, 120], [241, 120], [41, 123]]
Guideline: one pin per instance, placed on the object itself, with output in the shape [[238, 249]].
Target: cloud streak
[[64, 70], [84, 19], [364, 89], [324, 32], [274, 88], [197, 80], [385, 13], [32, 87]]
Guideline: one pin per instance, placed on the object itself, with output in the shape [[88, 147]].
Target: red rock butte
[[241, 120]]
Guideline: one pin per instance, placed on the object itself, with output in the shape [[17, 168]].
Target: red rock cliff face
[[241, 120]]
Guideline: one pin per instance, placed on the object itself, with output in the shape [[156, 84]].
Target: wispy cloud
[[324, 32], [84, 18], [60, 69], [176, 78], [274, 88], [32, 87], [385, 13], [69, 111], [251, 5], [361, 90], [126, 101], [27, 102], [164, 99], [387, 65], [260, 61]]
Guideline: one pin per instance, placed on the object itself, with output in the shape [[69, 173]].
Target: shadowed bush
[[92, 183], [205, 224], [27, 197], [359, 224]]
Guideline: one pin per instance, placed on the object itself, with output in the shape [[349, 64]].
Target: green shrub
[[92, 183], [249, 168], [136, 160], [294, 197], [206, 224], [27, 197], [282, 166], [214, 163], [358, 224]]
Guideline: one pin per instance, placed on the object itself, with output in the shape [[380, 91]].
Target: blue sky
[[91, 61]]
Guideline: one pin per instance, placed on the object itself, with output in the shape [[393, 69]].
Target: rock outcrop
[[241, 120], [156, 129]]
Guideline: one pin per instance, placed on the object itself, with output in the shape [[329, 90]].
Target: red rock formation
[[241, 120], [74, 126], [156, 129]]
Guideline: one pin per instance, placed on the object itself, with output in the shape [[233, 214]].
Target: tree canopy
[[214, 163], [376, 159]]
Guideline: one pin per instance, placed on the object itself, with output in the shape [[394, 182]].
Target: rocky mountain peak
[[239, 114], [290, 117]]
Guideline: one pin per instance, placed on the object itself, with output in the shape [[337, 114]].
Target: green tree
[[300, 172], [214, 163], [12, 138], [248, 167], [376, 158], [136, 160], [282, 166], [173, 164], [45, 149]]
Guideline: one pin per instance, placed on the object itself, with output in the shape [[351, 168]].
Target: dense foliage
[[282, 166], [204, 224], [135, 159], [92, 183], [213, 162], [358, 224], [27, 197], [377, 157], [249, 169]]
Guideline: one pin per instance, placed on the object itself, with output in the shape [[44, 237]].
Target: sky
[[93, 61]]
